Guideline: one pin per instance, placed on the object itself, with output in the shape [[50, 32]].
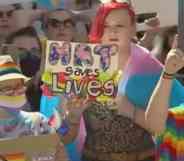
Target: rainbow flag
[[170, 145], [15, 157]]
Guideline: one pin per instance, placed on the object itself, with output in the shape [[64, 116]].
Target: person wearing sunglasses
[[59, 25], [124, 132]]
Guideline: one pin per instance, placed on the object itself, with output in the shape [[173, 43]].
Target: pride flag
[[170, 145]]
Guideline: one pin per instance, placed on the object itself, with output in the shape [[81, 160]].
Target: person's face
[[6, 20], [28, 54], [118, 29], [26, 42], [60, 26], [12, 87]]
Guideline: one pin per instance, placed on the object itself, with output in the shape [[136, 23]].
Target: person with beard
[[14, 122]]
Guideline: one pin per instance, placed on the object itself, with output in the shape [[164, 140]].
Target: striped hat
[[10, 70]]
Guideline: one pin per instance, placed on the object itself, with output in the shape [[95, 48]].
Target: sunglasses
[[10, 90], [7, 13], [57, 23]]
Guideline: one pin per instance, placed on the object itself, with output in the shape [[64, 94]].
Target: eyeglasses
[[19, 88], [7, 13], [57, 23]]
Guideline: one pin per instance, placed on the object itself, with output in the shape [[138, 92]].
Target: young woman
[[159, 105], [122, 134]]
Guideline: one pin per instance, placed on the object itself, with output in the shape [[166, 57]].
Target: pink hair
[[97, 28]]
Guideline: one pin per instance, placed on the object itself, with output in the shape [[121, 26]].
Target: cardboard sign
[[81, 62], [29, 148], [62, 55]]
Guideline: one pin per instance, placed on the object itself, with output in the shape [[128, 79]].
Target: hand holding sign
[[74, 108], [81, 68]]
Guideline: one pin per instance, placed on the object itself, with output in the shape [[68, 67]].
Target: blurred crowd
[[24, 29]]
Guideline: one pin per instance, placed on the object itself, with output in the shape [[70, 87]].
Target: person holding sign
[[121, 133]]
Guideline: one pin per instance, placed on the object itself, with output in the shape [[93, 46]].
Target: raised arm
[[157, 110], [73, 111]]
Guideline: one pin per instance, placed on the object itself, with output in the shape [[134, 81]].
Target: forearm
[[126, 108], [147, 40], [157, 110], [139, 118], [72, 125], [61, 153], [71, 134]]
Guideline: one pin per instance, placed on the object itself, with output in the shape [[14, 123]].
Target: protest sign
[[79, 67]]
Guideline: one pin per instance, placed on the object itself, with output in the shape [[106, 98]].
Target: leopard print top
[[109, 132]]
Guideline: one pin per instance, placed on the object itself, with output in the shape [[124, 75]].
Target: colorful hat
[[10, 70]]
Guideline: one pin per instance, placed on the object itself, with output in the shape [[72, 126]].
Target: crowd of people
[[147, 89]]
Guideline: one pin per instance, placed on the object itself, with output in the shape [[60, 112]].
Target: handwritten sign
[[82, 67], [62, 55]]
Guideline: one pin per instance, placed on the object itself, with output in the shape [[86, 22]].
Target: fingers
[[175, 42], [152, 22], [178, 52]]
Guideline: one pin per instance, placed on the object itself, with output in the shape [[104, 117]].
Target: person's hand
[[149, 35], [73, 108], [174, 61], [153, 24]]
